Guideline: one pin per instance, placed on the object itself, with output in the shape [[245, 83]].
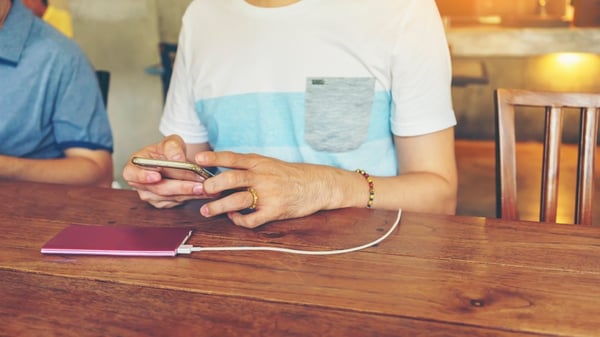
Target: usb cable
[[188, 249]]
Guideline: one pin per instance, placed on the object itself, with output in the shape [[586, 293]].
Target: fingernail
[[153, 177], [198, 189], [204, 211]]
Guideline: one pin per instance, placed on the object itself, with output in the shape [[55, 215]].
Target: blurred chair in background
[[552, 104], [167, 52], [167, 59], [104, 82]]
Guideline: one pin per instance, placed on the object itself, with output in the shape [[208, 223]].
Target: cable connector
[[185, 249]]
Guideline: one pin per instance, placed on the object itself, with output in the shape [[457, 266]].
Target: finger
[[136, 175], [229, 180], [251, 220], [231, 203], [160, 202], [172, 187], [165, 203], [226, 159]]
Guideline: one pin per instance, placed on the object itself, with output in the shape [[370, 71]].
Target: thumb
[[173, 148]]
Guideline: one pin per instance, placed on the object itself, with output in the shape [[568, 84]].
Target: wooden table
[[434, 276]]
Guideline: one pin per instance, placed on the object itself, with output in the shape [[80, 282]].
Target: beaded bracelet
[[371, 189]]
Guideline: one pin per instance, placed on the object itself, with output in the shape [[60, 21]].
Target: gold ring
[[254, 198]]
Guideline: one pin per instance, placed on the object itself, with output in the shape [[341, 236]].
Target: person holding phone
[[54, 127], [305, 106]]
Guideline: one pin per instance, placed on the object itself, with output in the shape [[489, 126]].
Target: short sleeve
[[80, 118], [179, 115], [422, 74]]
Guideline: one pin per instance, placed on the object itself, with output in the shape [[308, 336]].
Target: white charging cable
[[188, 249]]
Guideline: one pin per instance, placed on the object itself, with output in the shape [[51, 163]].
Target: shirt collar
[[14, 33]]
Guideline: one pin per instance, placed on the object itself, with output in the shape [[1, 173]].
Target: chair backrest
[[552, 104], [104, 82], [168, 52]]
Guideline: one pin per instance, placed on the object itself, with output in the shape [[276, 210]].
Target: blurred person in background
[[53, 123]]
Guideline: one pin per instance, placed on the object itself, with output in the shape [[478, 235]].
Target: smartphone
[[171, 164]]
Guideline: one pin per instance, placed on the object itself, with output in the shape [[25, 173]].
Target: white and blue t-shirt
[[320, 81]]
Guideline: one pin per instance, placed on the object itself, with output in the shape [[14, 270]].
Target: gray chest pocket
[[337, 112]]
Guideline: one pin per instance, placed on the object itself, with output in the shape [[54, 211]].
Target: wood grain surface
[[434, 276]]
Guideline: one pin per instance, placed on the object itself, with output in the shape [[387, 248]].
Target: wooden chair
[[103, 77], [104, 83], [552, 103], [167, 51]]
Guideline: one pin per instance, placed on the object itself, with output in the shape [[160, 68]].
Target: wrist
[[347, 189]]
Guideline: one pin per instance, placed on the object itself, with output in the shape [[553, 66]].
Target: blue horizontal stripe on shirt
[[273, 124], [265, 119]]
